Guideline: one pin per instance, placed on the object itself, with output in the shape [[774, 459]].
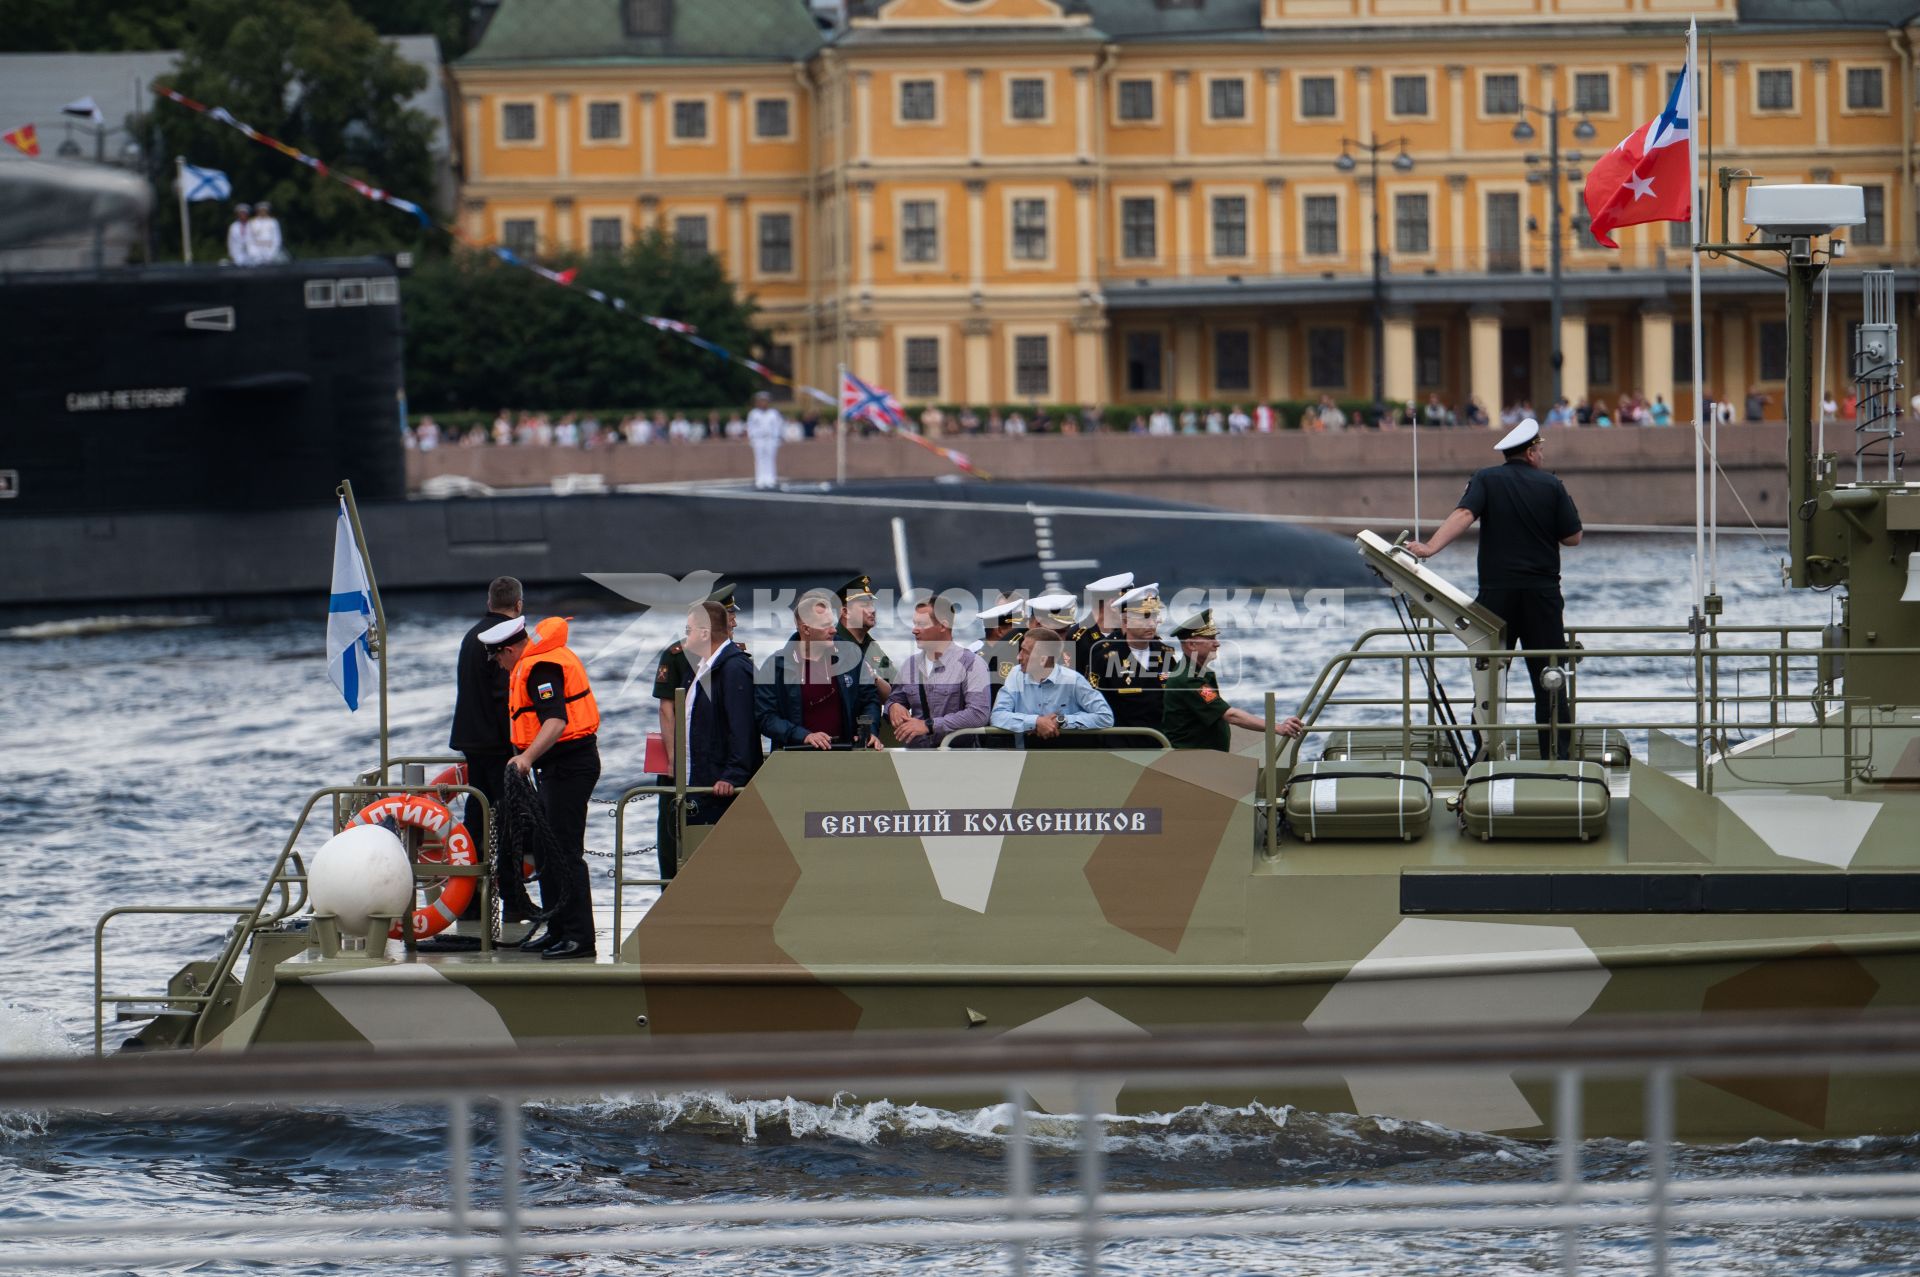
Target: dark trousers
[[666, 835], [566, 783], [484, 773], [1535, 619]]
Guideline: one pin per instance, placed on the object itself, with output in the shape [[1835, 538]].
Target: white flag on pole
[[349, 615], [197, 183], [87, 109]]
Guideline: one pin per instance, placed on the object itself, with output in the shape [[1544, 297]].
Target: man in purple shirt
[[943, 688]]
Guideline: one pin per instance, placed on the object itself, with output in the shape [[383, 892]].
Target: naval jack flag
[[349, 615], [1649, 176]]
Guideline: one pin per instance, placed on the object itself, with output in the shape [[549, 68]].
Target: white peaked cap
[[1110, 584], [505, 632], [1135, 595], [1520, 436], [1001, 609]]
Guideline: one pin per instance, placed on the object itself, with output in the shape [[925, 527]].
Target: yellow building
[[1120, 201]]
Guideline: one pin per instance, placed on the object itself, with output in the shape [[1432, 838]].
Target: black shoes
[[538, 941], [567, 949]]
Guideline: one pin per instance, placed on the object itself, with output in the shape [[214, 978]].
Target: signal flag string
[[564, 278]]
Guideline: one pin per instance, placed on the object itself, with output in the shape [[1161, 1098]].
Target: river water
[[166, 765]]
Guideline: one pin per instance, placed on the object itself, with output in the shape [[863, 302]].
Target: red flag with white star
[[1649, 176]]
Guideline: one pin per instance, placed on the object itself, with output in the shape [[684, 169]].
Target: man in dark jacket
[[722, 739], [480, 723], [807, 697]]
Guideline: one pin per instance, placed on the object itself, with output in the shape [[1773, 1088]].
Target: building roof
[[1129, 19], [34, 86], [596, 31], [1830, 13]]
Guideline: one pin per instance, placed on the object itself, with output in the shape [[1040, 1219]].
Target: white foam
[[24, 1032], [87, 626]]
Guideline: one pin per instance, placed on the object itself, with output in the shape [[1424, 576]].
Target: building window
[[1137, 238], [1027, 98], [1593, 91], [520, 234], [923, 367], [1874, 229], [516, 122], [1144, 361], [1136, 99], [603, 121], [1327, 358], [779, 357], [1774, 89], [1233, 359], [770, 118], [1410, 223], [1429, 343], [690, 120], [648, 17], [1322, 216], [1502, 231], [1866, 89], [1500, 95], [690, 232], [1030, 230], [1410, 95], [776, 243], [917, 100], [1229, 226], [1680, 234], [1773, 350], [1032, 368], [1682, 353], [1227, 99], [1319, 97], [1600, 354], [919, 231], [604, 234]]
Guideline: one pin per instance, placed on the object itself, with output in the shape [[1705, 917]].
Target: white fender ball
[[360, 872]]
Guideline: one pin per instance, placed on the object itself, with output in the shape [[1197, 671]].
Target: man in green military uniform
[[857, 617], [673, 671], [1130, 669], [1102, 619], [1197, 716]]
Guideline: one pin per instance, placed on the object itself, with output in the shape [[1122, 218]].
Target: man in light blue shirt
[[1043, 698]]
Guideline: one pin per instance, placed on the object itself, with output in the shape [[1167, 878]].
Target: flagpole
[[1699, 378], [180, 188], [840, 433], [379, 644]]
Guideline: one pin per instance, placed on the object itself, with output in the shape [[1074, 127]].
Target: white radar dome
[[360, 872]]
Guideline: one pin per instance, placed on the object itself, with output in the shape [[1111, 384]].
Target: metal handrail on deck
[[1655, 1051], [1078, 733]]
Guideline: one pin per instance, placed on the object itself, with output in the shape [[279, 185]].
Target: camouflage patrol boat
[[1421, 865]]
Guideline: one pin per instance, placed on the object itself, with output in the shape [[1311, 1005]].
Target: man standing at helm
[[766, 427], [553, 723], [1526, 516]]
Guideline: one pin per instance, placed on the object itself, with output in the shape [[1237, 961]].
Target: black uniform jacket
[[479, 696]]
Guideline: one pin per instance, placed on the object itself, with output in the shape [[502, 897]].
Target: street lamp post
[[1402, 163], [1524, 132]]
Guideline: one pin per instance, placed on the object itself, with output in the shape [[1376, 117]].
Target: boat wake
[[89, 626]]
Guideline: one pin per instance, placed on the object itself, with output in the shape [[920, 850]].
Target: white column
[[563, 221], [645, 125], [1279, 360], [1456, 109], [1083, 236], [1656, 353], [1184, 258], [739, 248], [1180, 113], [1272, 78], [1458, 257], [1363, 112], [476, 140], [1276, 225], [1089, 371], [1483, 351], [1574, 372], [1082, 113], [976, 234], [979, 339], [976, 115], [863, 233], [863, 117], [562, 136], [736, 113], [1821, 131], [1397, 373], [1186, 359], [1728, 132]]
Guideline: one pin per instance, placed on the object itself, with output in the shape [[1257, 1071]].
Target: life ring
[[457, 775], [418, 811]]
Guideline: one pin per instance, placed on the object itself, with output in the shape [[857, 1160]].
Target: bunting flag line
[[564, 278], [25, 139]]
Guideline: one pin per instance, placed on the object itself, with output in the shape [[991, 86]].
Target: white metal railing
[[1087, 1219]]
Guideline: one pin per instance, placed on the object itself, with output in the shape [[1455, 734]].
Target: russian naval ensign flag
[[1649, 176], [349, 615]]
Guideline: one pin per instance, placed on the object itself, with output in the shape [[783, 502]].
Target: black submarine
[[174, 436]]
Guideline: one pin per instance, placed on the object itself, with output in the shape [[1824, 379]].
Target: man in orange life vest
[[553, 722]]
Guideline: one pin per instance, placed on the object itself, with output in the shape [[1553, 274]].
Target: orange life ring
[[457, 775], [418, 811]]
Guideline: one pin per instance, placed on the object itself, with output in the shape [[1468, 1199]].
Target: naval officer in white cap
[[1525, 517]]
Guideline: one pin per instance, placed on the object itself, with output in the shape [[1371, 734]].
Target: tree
[[92, 26], [483, 334], [311, 74]]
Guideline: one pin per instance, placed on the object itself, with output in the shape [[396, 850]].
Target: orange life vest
[[549, 646]]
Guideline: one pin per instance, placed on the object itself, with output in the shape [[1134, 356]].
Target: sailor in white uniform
[[239, 246], [765, 429], [263, 234]]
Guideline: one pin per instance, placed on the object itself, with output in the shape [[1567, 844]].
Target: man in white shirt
[[239, 246], [766, 427], [263, 233], [1043, 698]]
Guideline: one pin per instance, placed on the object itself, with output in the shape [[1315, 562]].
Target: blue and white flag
[[349, 615], [204, 183]]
